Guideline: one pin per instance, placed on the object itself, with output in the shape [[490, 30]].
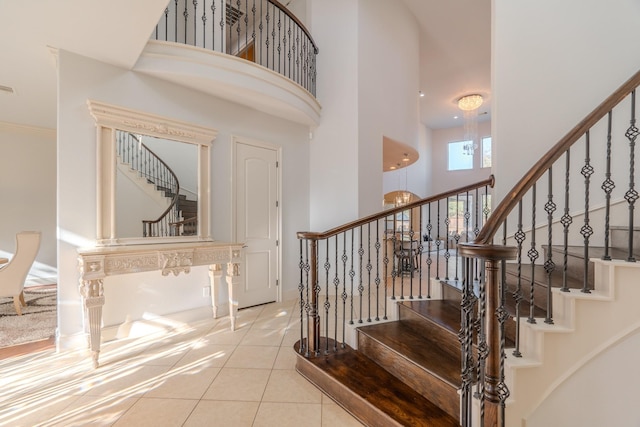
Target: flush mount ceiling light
[[470, 102]]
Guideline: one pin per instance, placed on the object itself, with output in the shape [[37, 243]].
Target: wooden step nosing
[[413, 362]]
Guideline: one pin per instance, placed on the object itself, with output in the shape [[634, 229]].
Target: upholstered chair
[[14, 273]]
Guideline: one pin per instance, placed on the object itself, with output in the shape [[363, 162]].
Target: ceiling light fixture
[[470, 102], [421, 93], [406, 158], [469, 105]]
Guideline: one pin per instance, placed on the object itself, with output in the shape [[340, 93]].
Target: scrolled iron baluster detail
[[377, 279], [369, 267], [301, 287], [533, 256], [607, 186], [344, 295], [549, 207], [327, 304], [446, 255], [586, 230], [465, 336], [360, 285], [419, 249], [352, 274], [566, 221], [631, 195], [429, 249], [438, 240], [519, 237], [336, 284], [457, 236]]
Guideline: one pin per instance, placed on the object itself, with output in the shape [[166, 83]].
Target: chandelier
[[469, 105], [403, 197]]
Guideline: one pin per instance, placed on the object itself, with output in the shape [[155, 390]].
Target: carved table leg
[[92, 293], [232, 271], [215, 275]]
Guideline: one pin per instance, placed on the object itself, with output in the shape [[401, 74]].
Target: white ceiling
[[455, 50]]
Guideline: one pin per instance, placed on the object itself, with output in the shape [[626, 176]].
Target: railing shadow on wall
[[260, 31]]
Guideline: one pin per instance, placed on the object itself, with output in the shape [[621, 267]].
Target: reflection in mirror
[[156, 187], [153, 177]]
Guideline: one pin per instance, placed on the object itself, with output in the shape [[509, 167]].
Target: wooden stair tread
[[441, 312], [374, 385], [417, 348]]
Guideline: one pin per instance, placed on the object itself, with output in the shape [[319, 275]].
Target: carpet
[[38, 320]]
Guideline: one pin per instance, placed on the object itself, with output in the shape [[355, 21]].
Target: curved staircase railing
[[148, 165], [576, 202], [260, 31]]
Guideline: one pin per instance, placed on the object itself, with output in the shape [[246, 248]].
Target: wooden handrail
[[334, 231], [511, 200]]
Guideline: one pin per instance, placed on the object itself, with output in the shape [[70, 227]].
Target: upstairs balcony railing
[[261, 31]]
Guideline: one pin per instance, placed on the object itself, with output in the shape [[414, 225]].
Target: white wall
[[443, 179], [28, 193], [363, 65], [81, 79], [552, 63], [388, 85]]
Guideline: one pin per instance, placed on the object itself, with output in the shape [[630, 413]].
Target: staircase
[[407, 371]]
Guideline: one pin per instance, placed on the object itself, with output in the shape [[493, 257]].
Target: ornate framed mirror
[[153, 177]]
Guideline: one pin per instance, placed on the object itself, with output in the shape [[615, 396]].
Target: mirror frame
[[110, 118]]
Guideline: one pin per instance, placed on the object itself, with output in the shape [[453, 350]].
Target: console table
[[95, 264]]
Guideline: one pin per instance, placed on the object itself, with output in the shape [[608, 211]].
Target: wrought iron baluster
[[465, 336], [266, 18], [327, 304], [336, 284], [377, 279], [549, 266], [195, 22], [360, 285], [438, 241], [520, 237], [185, 14], [175, 22], [246, 28], [301, 287], [385, 271], [352, 273], [447, 255], [345, 258], [429, 249], [213, 32], [566, 221], [631, 195], [419, 257], [279, 39], [369, 267], [456, 237], [238, 25], [607, 186], [533, 256], [204, 24], [476, 231], [586, 230], [410, 254]]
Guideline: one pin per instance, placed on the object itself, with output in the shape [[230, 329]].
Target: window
[[486, 152], [460, 157]]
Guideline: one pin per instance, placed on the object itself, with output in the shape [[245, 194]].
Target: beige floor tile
[[333, 415], [290, 386], [93, 410], [32, 412], [238, 384], [258, 357], [288, 415], [271, 322], [286, 358], [207, 356], [263, 337], [216, 413], [225, 336], [291, 336], [157, 413], [184, 383], [127, 382]]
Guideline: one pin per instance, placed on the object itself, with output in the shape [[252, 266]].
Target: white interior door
[[257, 221]]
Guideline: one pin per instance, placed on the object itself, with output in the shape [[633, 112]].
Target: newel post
[[495, 389]]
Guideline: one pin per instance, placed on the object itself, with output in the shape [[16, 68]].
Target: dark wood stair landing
[[405, 372]]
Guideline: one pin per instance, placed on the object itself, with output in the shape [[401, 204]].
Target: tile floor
[[198, 374]]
